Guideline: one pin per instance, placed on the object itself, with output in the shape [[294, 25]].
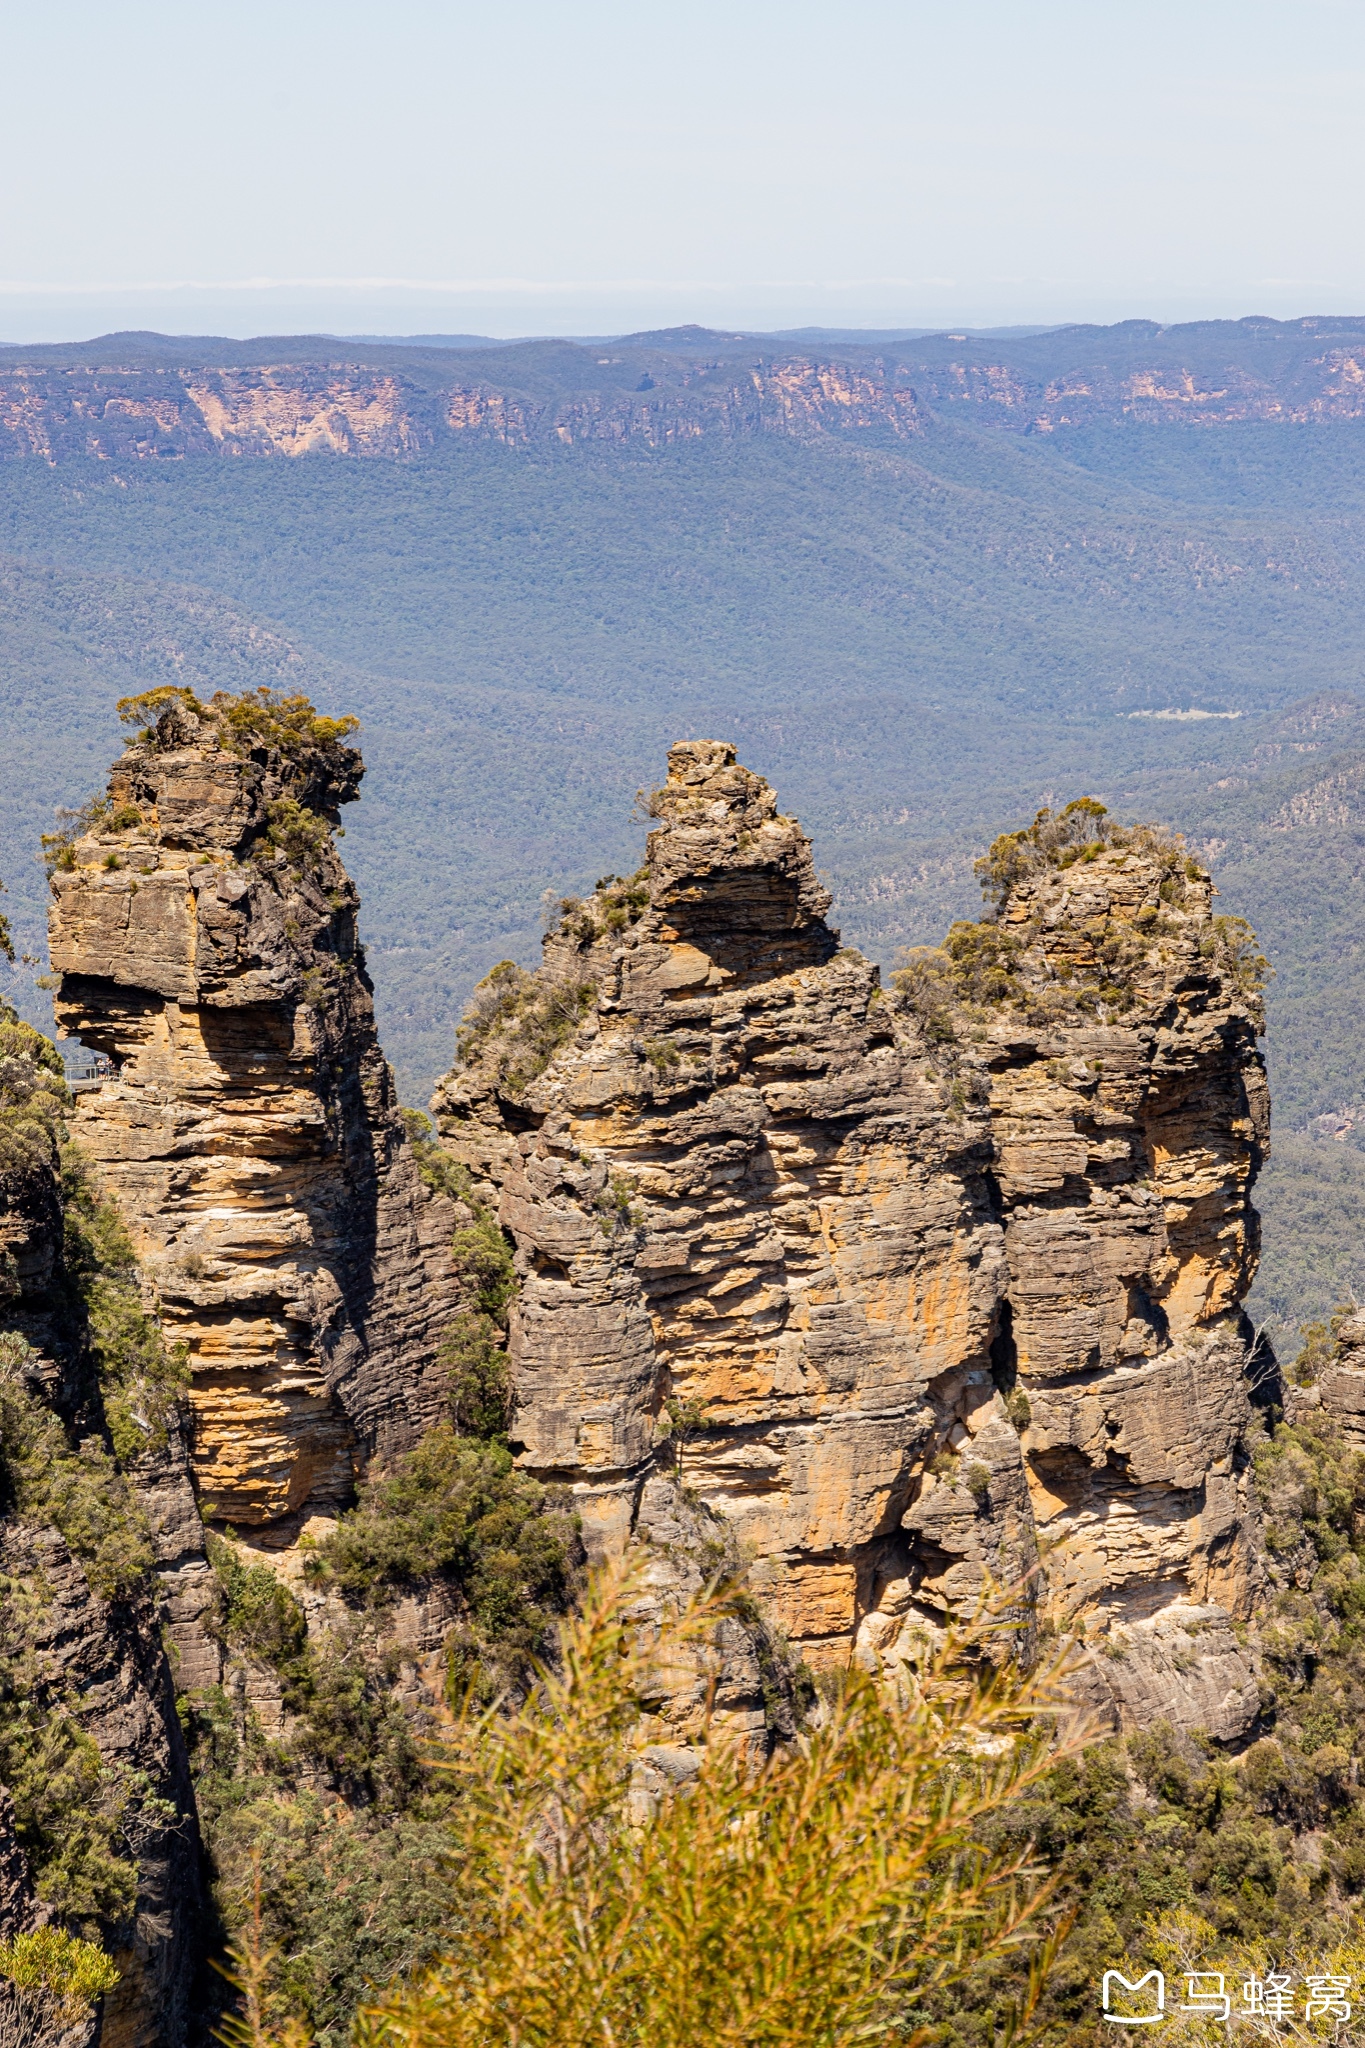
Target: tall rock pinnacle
[[204, 930]]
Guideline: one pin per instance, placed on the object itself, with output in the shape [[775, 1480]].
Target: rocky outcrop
[[800, 397], [935, 1285], [204, 931], [1330, 1377]]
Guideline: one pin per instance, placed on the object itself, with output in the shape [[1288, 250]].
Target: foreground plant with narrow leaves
[[820, 1897]]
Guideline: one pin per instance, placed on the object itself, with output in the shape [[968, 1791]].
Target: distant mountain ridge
[[146, 397]]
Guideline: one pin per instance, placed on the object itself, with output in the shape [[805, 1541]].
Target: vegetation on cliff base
[[61, 1476], [69, 1806], [820, 1898], [33, 1098], [79, 1492], [453, 1516], [473, 1350], [454, 1507], [142, 1379], [1162, 1842]]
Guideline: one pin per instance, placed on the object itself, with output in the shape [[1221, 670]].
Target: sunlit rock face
[[938, 1285], [203, 927]]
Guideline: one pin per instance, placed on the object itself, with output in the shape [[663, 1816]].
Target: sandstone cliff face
[[348, 409], [799, 397], [940, 1283], [204, 930], [678, 387], [1337, 1384]]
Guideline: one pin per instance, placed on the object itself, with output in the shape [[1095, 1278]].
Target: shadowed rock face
[[204, 932], [63, 1645], [943, 1278]]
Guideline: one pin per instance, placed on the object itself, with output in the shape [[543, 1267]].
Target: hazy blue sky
[[536, 166]]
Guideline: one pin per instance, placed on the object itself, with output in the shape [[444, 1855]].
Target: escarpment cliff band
[[926, 1286], [204, 931], [132, 398], [338, 408]]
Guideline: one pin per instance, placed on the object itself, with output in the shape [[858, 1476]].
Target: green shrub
[[1309, 1488], [298, 833], [59, 847], [320, 985], [479, 1382], [481, 1250], [483, 1258], [69, 1806], [80, 1493], [984, 961], [1234, 949], [680, 1422], [33, 1097], [472, 1350], [461, 1509], [60, 1977], [982, 965], [924, 981], [616, 1206], [259, 1615], [354, 1726], [516, 1021], [344, 1903], [813, 1901], [142, 711], [284, 721], [142, 1379], [446, 1175], [1081, 830]]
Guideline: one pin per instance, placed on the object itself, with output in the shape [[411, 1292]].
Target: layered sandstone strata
[[937, 1285], [205, 933], [132, 405]]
